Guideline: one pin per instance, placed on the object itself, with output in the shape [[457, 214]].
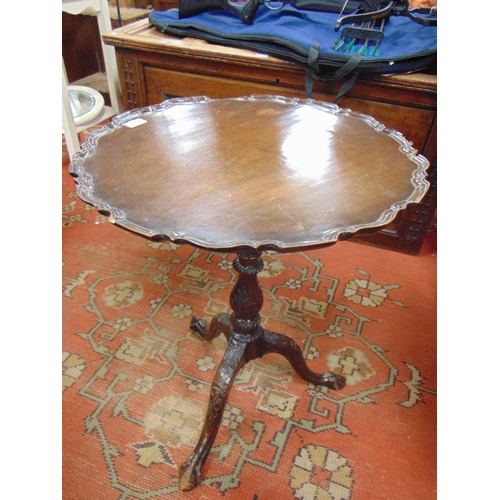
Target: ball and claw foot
[[332, 381], [220, 324], [199, 326], [189, 476]]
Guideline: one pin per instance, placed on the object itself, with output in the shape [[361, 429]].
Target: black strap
[[312, 68], [347, 85], [313, 56], [314, 73]]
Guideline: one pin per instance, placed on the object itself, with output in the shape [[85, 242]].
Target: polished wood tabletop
[[260, 172]]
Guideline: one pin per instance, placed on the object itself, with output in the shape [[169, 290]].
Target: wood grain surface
[[252, 172]]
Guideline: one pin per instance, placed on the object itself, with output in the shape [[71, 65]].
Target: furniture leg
[[219, 324], [232, 362], [281, 344]]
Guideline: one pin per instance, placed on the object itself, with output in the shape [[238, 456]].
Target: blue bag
[[308, 37]]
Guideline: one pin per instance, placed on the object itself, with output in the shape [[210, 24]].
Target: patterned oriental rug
[[136, 380]]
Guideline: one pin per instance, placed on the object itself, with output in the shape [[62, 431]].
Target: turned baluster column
[[246, 298]]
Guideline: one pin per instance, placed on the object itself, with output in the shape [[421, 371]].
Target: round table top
[[261, 172]]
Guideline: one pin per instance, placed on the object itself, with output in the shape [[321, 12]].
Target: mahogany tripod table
[[247, 175]]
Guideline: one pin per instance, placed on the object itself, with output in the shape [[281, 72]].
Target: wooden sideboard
[[153, 66], [165, 4]]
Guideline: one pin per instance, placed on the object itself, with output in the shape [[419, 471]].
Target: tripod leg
[[232, 362], [219, 324], [281, 344]]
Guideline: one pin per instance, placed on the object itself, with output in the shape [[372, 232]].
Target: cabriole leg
[[232, 362]]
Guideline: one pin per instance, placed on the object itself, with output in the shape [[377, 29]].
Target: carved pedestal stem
[[246, 299]]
